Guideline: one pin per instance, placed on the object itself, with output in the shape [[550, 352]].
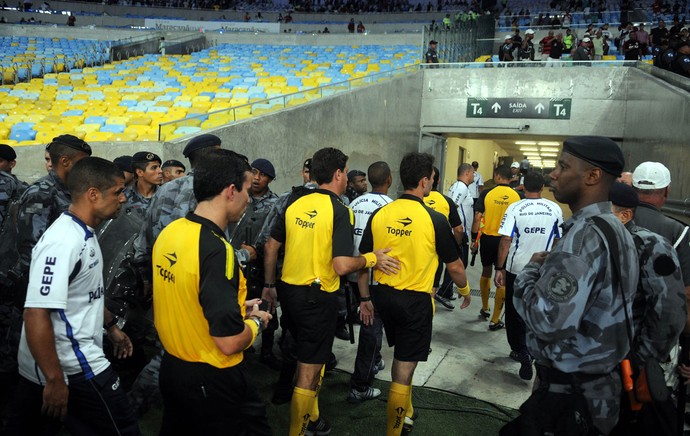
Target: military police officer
[[172, 169], [10, 186], [149, 176], [572, 306]]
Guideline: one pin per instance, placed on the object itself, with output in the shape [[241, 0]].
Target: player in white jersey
[[368, 361], [529, 226], [64, 372], [460, 194], [478, 185]]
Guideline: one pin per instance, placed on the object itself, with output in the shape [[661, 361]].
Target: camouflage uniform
[[40, 205], [136, 202], [10, 188], [659, 307], [574, 314]]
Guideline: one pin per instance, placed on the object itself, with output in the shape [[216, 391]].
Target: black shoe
[[514, 355], [409, 423], [282, 394], [526, 371], [484, 314], [493, 326], [444, 301], [332, 363], [270, 360], [341, 332], [320, 427]]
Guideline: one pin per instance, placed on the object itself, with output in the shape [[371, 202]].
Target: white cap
[[585, 39], [651, 175], [508, 37], [515, 165], [529, 32]]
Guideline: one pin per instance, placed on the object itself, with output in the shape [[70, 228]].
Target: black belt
[[552, 375]]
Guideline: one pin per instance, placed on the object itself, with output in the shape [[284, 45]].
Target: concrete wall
[[657, 128], [463, 150], [378, 122], [597, 93]]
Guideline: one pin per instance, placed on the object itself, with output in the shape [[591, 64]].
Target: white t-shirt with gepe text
[[461, 196], [362, 208], [534, 224], [66, 276], [474, 187]]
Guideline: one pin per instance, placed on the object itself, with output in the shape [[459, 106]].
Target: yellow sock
[[485, 288], [315, 409], [498, 303], [397, 401], [300, 407], [409, 410]]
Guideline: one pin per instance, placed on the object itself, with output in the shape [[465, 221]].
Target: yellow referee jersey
[[417, 236], [315, 228], [492, 204], [198, 291], [445, 206]]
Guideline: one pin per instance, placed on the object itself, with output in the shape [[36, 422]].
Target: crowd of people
[[221, 260]]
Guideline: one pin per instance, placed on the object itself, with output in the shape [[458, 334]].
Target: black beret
[[307, 164], [7, 152], [124, 163], [199, 142], [355, 173], [145, 156], [71, 141], [600, 151], [265, 166], [623, 195], [173, 163]]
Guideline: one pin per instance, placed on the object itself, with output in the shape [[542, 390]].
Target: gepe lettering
[[535, 230], [47, 279]]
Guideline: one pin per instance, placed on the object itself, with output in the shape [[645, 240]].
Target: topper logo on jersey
[[172, 258], [502, 201], [401, 232], [47, 279], [431, 202], [311, 214], [167, 275]]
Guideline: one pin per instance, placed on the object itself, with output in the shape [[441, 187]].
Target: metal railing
[[282, 101]]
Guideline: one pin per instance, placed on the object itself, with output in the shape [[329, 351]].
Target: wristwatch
[[113, 321], [259, 323]]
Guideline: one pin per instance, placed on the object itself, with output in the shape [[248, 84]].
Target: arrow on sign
[[496, 107], [540, 107]]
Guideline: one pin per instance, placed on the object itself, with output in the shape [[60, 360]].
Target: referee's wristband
[[474, 235], [370, 259], [364, 299], [269, 285], [500, 268], [255, 325], [465, 291]]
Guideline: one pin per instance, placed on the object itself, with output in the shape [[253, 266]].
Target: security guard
[[125, 165], [149, 176], [488, 214], [445, 206], [10, 187], [316, 230], [200, 312], [172, 169], [652, 181], [575, 315], [659, 313], [419, 237], [431, 56]]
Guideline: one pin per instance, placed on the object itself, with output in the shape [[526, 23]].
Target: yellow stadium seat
[[148, 137], [47, 136], [31, 142], [117, 120], [124, 137], [4, 133], [88, 128], [98, 137]]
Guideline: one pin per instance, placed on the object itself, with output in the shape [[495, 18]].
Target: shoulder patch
[[664, 265], [562, 287]]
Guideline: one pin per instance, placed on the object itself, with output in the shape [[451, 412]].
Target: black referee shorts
[[312, 323], [407, 319], [488, 249]]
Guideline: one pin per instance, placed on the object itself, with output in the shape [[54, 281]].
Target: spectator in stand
[[598, 45], [517, 40], [675, 30], [642, 39], [526, 50], [360, 27], [569, 40], [351, 26], [659, 33], [505, 53], [247, 17], [71, 20], [545, 45], [631, 48], [606, 32], [584, 50], [556, 50], [567, 19]]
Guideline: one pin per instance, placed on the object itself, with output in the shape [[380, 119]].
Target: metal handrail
[[285, 97]]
